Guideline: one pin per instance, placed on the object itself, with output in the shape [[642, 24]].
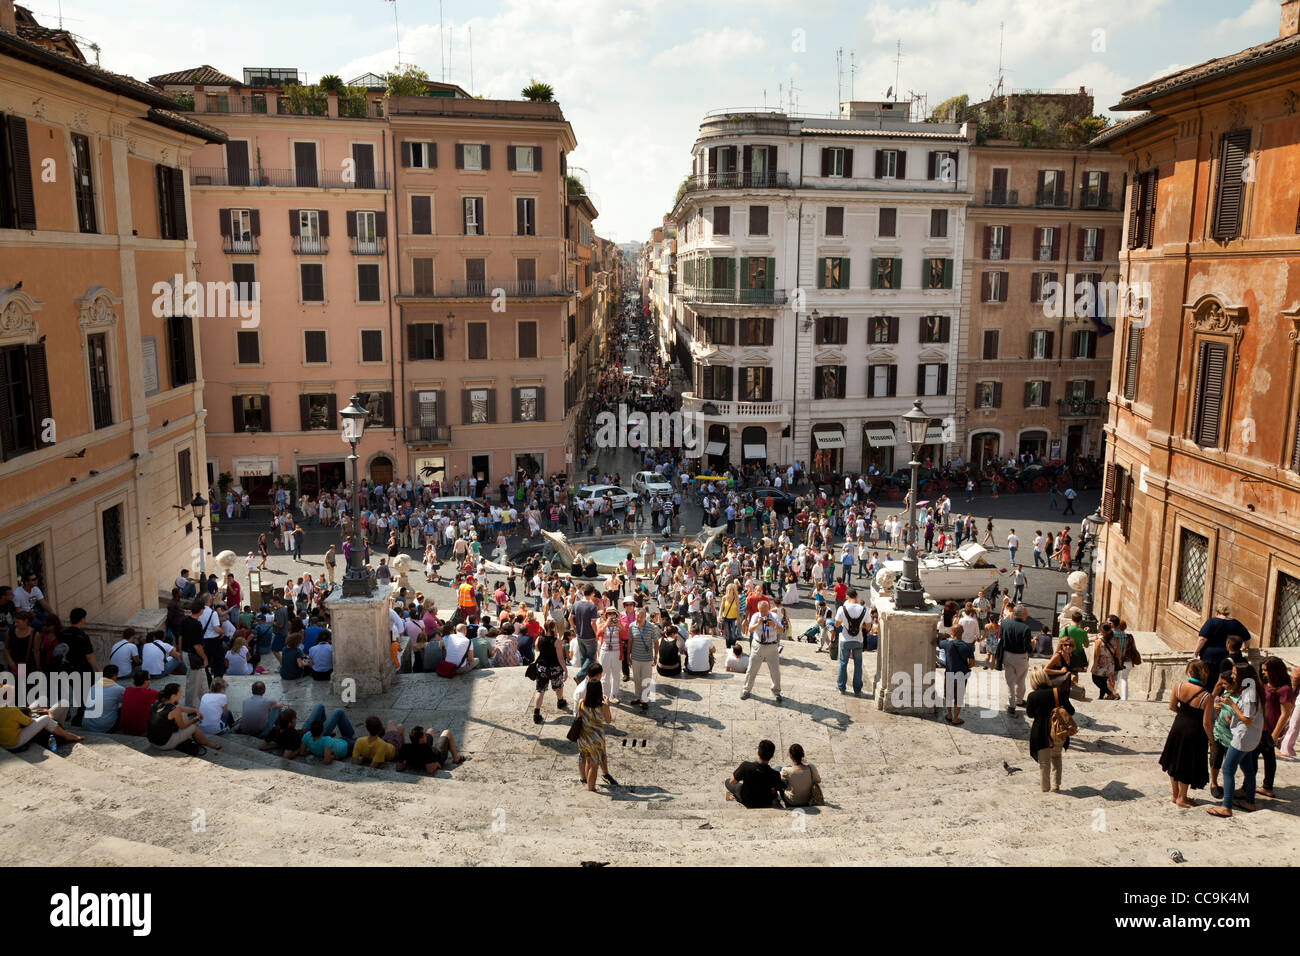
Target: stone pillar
[[362, 645], [905, 661]]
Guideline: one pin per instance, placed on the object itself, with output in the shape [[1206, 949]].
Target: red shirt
[[134, 717], [841, 591], [751, 604]]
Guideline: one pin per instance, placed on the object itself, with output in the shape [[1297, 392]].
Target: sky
[[635, 77]]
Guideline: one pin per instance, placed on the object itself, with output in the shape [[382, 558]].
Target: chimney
[[7, 22], [1290, 19]]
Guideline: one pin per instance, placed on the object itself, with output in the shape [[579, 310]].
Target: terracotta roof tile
[[1277, 48], [205, 74]]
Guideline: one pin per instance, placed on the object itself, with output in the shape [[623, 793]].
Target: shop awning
[[933, 435], [756, 451], [829, 439], [879, 437], [715, 448]]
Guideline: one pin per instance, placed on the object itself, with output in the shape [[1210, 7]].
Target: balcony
[[1002, 197], [735, 411], [1080, 407], [287, 178], [367, 247], [523, 288], [1096, 201], [239, 247], [771, 297], [428, 434], [310, 246], [736, 179], [1048, 199]]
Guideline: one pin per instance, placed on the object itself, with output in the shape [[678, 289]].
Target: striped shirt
[[643, 639]]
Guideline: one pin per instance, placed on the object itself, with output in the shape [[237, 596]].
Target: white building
[[818, 284]]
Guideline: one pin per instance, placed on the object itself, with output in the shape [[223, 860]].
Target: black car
[[903, 477], [782, 500]]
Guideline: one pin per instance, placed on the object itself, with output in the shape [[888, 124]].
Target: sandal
[[609, 780], [1218, 812]]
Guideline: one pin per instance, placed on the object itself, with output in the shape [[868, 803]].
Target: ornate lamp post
[[1094, 532], [357, 581], [200, 506], [908, 592]]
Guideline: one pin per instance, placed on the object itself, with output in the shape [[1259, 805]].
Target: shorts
[[553, 677], [441, 749], [393, 737]]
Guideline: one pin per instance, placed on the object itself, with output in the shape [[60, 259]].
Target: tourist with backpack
[[850, 618], [1053, 726]]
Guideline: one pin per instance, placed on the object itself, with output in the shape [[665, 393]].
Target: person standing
[[957, 655], [1245, 727], [765, 633], [1040, 551], [582, 618], [1013, 542], [850, 618], [1019, 580], [643, 642], [552, 670], [1212, 642], [611, 653], [1183, 757], [593, 711], [331, 559], [1070, 494], [1015, 639], [1043, 699]]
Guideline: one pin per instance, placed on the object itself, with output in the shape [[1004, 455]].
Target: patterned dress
[[591, 743]]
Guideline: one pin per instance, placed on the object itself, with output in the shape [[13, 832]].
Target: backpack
[[853, 625], [1061, 723]]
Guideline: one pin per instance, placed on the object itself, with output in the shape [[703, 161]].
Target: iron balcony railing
[[428, 434], [735, 296], [1002, 197], [310, 245], [1095, 200], [1080, 407], [308, 178], [1049, 198], [368, 247], [736, 179], [524, 288], [239, 247]]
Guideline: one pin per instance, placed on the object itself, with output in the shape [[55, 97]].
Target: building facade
[[819, 286], [1043, 229], [1203, 464], [101, 390]]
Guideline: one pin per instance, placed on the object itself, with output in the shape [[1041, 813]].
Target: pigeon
[[594, 863], [1009, 769], [1176, 856], [705, 826]]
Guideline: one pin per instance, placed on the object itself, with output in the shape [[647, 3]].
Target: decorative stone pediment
[[1289, 101], [1210, 314], [16, 308], [97, 308]]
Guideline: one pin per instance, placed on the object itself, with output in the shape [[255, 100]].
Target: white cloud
[[709, 50], [1260, 15]]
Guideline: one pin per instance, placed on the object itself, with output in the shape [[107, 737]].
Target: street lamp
[[1094, 533], [908, 592], [200, 505], [357, 582]]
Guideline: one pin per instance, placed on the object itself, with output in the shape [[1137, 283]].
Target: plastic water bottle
[[53, 744]]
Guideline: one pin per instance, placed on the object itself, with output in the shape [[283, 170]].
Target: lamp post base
[[358, 583]]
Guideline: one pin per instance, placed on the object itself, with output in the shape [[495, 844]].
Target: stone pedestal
[[363, 660], [905, 660]]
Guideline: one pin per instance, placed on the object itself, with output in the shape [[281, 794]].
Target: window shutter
[[514, 405], [1101, 244], [413, 409], [920, 330], [1233, 150], [1051, 340], [381, 224], [920, 380], [819, 390], [510, 158], [930, 163], [988, 241], [986, 287], [997, 394], [21, 168], [1056, 243], [1133, 353], [38, 377], [1209, 408], [537, 159], [331, 412], [848, 163], [841, 381], [406, 153], [304, 413], [324, 218], [1134, 211], [1078, 249], [541, 404], [947, 275], [237, 408], [1042, 181], [266, 413], [1108, 495], [412, 351], [519, 215], [871, 381], [1088, 389], [1295, 447], [943, 379], [255, 221], [350, 218], [900, 167], [1035, 286], [293, 222], [731, 273], [223, 222], [460, 155], [187, 347], [880, 164], [487, 156], [1006, 242], [1047, 394], [438, 352], [1092, 348], [826, 161], [1151, 179], [1059, 197], [945, 322], [746, 159], [892, 326], [891, 380], [492, 405], [177, 179], [1028, 386]]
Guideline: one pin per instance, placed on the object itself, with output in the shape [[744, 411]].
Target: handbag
[[530, 671], [815, 797], [575, 728]]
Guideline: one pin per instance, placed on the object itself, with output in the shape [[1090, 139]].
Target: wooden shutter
[[460, 155], [406, 153], [514, 404], [323, 217], [943, 378], [1051, 341], [997, 394], [871, 381], [187, 347], [294, 222], [1134, 211], [237, 410], [541, 404], [1108, 494], [510, 158], [1035, 286], [1047, 394], [746, 162], [1092, 349], [1028, 387], [1089, 388], [38, 379], [223, 222], [1059, 198], [826, 161], [304, 413], [1132, 355], [20, 164], [986, 286], [255, 222], [176, 178], [331, 411], [947, 273], [350, 221], [930, 163], [1006, 242], [1150, 181], [1042, 181], [880, 164], [1209, 397], [1056, 243], [1295, 446], [920, 380], [1234, 147], [1078, 247], [900, 164], [487, 156], [988, 241], [422, 215], [892, 326], [945, 324], [848, 163], [381, 224], [537, 159], [1101, 245]]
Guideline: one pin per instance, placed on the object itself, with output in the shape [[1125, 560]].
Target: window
[[988, 394], [722, 220], [478, 406], [309, 227], [525, 159], [756, 273], [364, 228], [715, 382], [942, 166], [889, 164], [833, 273], [185, 478], [996, 242], [1040, 344], [884, 330], [421, 216], [834, 220], [990, 351], [313, 281], [248, 347], [1230, 196], [1117, 495], [932, 378], [427, 413], [368, 282], [314, 348], [1142, 210], [832, 330], [527, 339], [240, 225], [252, 413], [318, 412], [1286, 612], [17, 199], [829, 381], [170, 185], [304, 162], [380, 408], [755, 331], [1132, 360], [886, 273], [1209, 400], [1051, 187], [422, 276], [472, 208], [720, 329], [372, 345], [756, 384], [526, 275], [938, 224], [1037, 394], [758, 220], [936, 273], [525, 216], [476, 335], [472, 156], [31, 564], [1049, 243], [419, 155], [1079, 390], [1090, 244], [834, 162], [83, 182], [888, 224], [101, 401], [1193, 564], [1042, 285], [1096, 190], [424, 342], [528, 404], [994, 287], [1084, 344], [882, 381], [363, 161], [180, 350], [114, 545], [935, 329], [475, 276]]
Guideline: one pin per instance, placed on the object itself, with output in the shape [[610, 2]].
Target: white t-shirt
[[1038, 543], [153, 656], [237, 664], [456, 646], [211, 707], [737, 665], [24, 600], [1013, 541], [697, 652], [121, 655], [842, 619], [970, 628]]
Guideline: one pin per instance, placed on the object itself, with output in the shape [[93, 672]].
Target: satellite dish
[[889, 92]]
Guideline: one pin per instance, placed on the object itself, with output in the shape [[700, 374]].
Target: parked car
[[455, 503], [782, 500], [619, 496], [649, 483]]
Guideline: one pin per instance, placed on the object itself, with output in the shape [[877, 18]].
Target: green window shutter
[[898, 273], [821, 273], [744, 271], [947, 273], [844, 273], [731, 273], [770, 275]]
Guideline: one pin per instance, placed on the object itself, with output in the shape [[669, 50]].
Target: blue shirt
[[957, 655], [109, 701], [317, 745], [310, 633]]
